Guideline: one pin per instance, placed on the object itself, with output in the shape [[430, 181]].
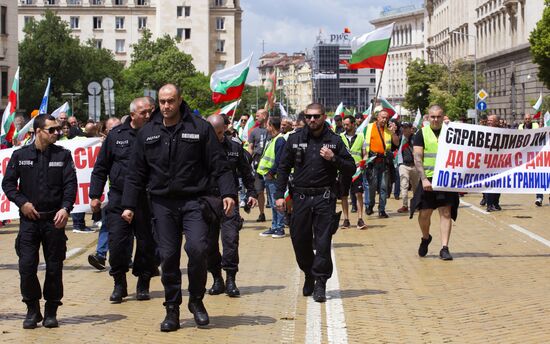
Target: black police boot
[[196, 307], [120, 290], [33, 315], [50, 313], [231, 287], [319, 291], [172, 320], [142, 288], [309, 284], [218, 286]]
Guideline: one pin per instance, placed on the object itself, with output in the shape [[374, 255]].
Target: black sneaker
[[383, 215], [369, 211], [491, 208], [444, 253], [483, 201], [261, 218], [346, 224], [96, 261], [319, 291], [423, 248]]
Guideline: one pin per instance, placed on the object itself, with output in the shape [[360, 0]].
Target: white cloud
[[292, 25]]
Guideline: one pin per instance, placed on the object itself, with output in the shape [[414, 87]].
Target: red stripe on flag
[[376, 62], [231, 94], [537, 115]]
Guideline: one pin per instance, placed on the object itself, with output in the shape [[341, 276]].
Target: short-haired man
[[41, 180], [529, 124], [426, 199], [257, 141], [405, 164]]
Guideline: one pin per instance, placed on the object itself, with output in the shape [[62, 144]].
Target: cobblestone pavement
[[495, 291]]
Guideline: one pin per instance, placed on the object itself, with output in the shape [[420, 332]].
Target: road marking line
[[289, 325], [336, 320], [313, 322], [473, 207], [531, 235], [70, 253]]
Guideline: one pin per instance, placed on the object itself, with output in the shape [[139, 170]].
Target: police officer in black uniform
[[175, 155], [230, 225], [45, 197], [316, 154], [112, 162]]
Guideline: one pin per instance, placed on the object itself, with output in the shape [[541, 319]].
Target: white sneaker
[[538, 202], [242, 204]]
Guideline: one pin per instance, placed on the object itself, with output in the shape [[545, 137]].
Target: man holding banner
[[45, 196], [425, 199]]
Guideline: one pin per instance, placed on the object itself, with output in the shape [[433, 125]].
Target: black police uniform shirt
[[47, 179], [239, 164], [177, 162], [113, 160], [313, 171]]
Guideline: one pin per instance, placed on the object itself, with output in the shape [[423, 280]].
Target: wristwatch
[[67, 210]]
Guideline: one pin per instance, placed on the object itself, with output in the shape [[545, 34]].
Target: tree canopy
[[540, 45]]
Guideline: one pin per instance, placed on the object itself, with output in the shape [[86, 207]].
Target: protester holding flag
[[408, 176], [425, 199], [257, 139], [41, 180]]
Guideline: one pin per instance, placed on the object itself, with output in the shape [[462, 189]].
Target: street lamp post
[[72, 95], [475, 67]]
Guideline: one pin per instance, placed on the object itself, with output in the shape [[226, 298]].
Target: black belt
[[47, 215], [311, 191], [407, 164]]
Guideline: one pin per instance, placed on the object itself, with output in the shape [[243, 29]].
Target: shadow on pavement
[[256, 289], [489, 255], [96, 319], [346, 245], [351, 293], [8, 231], [12, 316], [226, 321]]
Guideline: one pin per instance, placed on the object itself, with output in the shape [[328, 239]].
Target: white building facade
[[9, 56], [208, 30], [407, 44]]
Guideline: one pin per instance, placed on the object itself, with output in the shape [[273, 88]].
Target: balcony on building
[[28, 2]]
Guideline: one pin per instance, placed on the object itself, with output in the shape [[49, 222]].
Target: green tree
[[248, 99], [421, 76], [540, 45]]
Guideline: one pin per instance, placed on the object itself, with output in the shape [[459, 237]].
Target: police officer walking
[[45, 196], [230, 225], [112, 162], [175, 155], [316, 154]]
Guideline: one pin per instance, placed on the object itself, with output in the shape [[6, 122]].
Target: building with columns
[[407, 44], [9, 56], [209, 30]]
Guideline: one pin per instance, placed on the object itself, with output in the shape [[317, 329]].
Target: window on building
[[119, 23], [50, 2], [187, 11], [220, 23], [142, 23], [4, 84], [96, 2], [373, 71], [98, 43], [74, 22], [74, 2], [219, 3], [97, 23], [220, 45], [27, 19], [187, 33], [373, 80], [120, 46], [220, 66], [142, 3], [118, 2], [179, 11], [3, 18], [179, 33]]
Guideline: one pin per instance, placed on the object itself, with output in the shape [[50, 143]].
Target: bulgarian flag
[[388, 107], [547, 119], [360, 167], [371, 49], [248, 127], [228, 84], [340, 111], [537, 107], [367, 116], [417, 119], [7, 129], [228, 110]]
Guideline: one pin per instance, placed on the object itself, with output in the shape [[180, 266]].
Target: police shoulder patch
[[236, 139]]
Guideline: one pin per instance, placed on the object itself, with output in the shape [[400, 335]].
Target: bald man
[[176, 157]]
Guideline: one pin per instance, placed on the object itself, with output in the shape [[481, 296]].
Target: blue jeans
[[277, 224], [103, 238], [366, 196], [78, 220], [379, 182]]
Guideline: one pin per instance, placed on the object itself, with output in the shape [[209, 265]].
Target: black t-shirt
[[418, 139]]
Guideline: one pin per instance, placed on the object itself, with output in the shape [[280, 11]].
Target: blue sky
[[292, 25]]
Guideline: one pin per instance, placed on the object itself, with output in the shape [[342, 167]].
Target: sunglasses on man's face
[[52, 130], [312, 116]]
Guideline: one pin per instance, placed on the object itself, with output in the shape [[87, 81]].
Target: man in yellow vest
[[354, 143], [377, 150], [267, 168], [425, 198]]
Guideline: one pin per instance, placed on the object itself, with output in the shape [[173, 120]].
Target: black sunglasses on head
[[312, 116]]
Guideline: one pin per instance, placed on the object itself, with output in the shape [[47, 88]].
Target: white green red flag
[[387, 106], [538, 107], [248, 127], [21, 134], [228, 84], [366, 120], [8, 126], [417, 119], [360, 167], [547, 119], [228, 110], [370, 50], [340, 110]]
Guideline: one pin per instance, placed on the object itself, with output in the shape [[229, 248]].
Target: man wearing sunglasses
[[316, 154], [45, 195]]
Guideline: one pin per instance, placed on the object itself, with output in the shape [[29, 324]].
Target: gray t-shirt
[[258, 138]]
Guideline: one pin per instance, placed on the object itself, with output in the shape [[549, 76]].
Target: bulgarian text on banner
[[85, 153], [473, 158]]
